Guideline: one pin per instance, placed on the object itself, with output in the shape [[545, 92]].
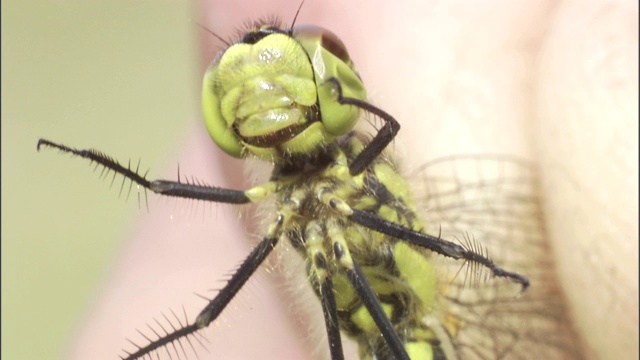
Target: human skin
[[554, 82]]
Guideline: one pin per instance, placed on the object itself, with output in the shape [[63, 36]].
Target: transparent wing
[[491, 204]]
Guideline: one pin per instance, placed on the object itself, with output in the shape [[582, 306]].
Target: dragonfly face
[[269, 94]]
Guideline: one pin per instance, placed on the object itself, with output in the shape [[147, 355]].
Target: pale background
[[115, 75]]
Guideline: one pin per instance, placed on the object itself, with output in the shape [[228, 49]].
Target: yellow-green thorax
[[268, 93], [402, 276]]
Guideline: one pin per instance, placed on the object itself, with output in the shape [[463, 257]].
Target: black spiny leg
[[329, 307], [330, 311], [371, 302], [220, 302], [384, 136], [443, 247], [315, 240], [162, 187]]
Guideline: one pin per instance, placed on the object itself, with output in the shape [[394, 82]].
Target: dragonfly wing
[[491, 204]]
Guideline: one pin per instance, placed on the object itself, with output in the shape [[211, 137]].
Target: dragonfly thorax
[[402, 276]]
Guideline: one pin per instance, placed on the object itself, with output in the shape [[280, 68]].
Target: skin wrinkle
[[589, 49]]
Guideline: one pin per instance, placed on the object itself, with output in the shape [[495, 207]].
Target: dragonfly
[[292, 97]]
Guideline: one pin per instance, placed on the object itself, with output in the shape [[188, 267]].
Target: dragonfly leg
[[228, 292], [385, 135], [314, 242], [366, 294], [162, 187]]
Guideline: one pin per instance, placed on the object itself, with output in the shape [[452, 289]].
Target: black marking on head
[[253, 31]]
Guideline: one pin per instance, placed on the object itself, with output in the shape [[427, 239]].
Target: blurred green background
[[121, 76]]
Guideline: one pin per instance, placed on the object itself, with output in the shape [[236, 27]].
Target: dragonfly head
[[268, 94]]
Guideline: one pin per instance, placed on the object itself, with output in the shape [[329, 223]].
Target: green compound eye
[[270, 94]]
